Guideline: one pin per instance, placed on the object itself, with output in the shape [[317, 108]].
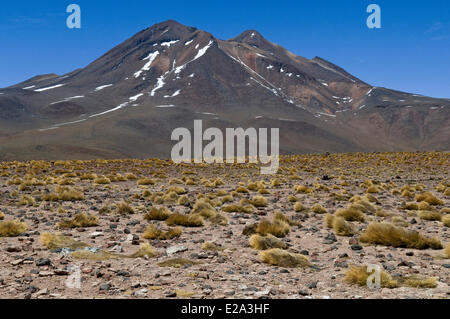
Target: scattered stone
[[43, 262], [175, 249]]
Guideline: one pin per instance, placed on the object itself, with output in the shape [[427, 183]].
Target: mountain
[[127, 102]]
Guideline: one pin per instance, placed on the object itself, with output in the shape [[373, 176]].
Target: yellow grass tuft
[[161, 213], [241, 189], [209, 246], [447, 251], [339, 225], [389, 235], [80, 220], [152, 232], [144, 250], [204, 208], [177, 262], [319, 209], [282, 258], [102, 180], [2, 216], [259, 242], [446, 220], [26, 200], [12, 228], [429, 198], [259, 201], [373, 189], [64, 194], [191, 220], [298, 207], [352, 214], [430, 215], [123, 208], [281, 217], [146, 181], [359, 275], [55, 241], [277, 228]]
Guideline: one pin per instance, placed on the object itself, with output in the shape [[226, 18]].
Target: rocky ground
[[29, 269]]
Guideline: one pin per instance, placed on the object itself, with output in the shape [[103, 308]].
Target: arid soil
[[408, 191]]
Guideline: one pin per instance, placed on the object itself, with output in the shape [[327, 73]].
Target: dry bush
[[446, 220], [430, 215], [12, 228], [339, 225], [411, 206], [282, 258], [303, 189], [144, 250], [351, 213], [227, 199], [259, 242], [209, 246], [190, 220], [55, 241], [170, 198], [183, 201], [177, 189], [2, 216], [373, 189], [152, 232], [416, 282], [219, 219], [389, 235], [130, 176], [424, 206], [359, 275], [277, 228], [242, 189], [319, 209], [259, 201], [80, 220], [26, 200], [94, 256], [281, 217], [123, 208], [382, 213], [298, 207], [178, 262], [146, 181], [447, 251], [161, 213], [429, 198], [64, 194], [102, 180], [204, 208], [235, 208]]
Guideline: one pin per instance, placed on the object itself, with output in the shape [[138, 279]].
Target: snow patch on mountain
[[151, 57], [49, 88], [102, 87]]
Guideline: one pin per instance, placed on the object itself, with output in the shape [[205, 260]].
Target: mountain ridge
[[175, 73]]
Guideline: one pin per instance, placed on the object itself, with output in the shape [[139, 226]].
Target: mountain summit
[[127, 102]]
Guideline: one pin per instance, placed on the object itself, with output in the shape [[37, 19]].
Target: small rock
[[43, 262], [175, 249], [96, 234], [105, 287], [13, 249]]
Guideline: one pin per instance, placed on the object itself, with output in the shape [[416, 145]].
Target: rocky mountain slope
[[127, 102]]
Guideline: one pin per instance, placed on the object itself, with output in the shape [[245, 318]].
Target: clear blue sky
[[410, 53]]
